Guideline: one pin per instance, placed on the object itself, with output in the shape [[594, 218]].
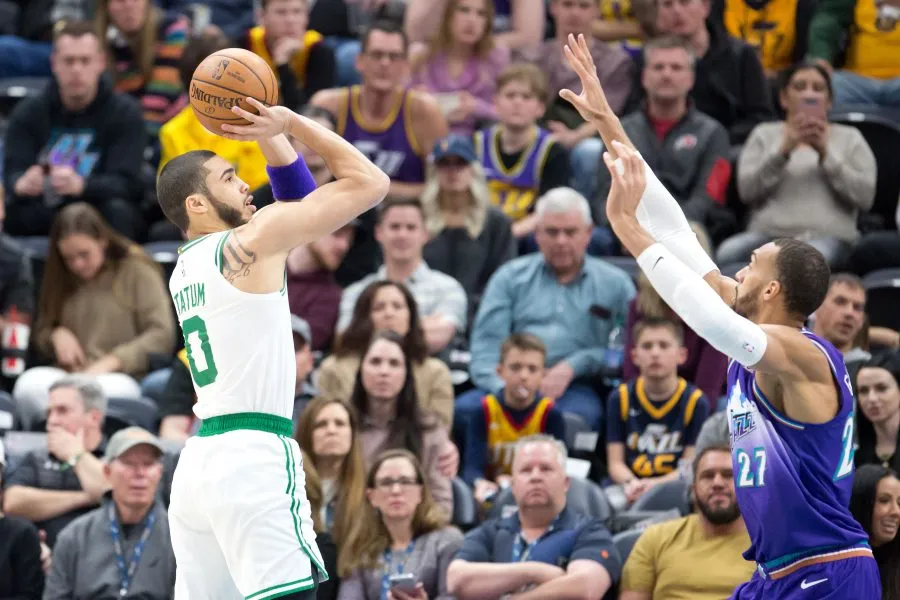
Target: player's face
[[539, 480], [879, 396], [402, 234], [332, 435], [229, 196], [563, 239], [127, 15], [522, 372], [754, 280], [77, 64], [517, 106], [657, 353], [382, 65], [65, 410], [469, 21], [681, 17], [285, 18], [886, 512], [573, 16], [383, 370], [454, 175], [714, 488], [83, 255], [842, 314], [134, 476], [397, 492], [330, 251], [390, 310], [668, 75]]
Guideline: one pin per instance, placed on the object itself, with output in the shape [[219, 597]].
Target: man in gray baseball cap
[[126, 439]]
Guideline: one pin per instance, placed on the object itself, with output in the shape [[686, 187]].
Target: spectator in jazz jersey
[[790, 403], [394, 127], [653, 421], [514, 413]]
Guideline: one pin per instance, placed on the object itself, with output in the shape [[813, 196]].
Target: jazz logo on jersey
[[741, 425], [658, 448]]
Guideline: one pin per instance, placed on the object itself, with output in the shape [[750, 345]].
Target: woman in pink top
[[461, 64]]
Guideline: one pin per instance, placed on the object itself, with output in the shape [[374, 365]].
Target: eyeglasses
[[388, 483]]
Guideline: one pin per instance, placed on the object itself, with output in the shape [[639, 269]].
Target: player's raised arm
[[359, 184], [774, 349]]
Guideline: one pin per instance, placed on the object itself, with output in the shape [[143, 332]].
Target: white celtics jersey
[[239, 345]]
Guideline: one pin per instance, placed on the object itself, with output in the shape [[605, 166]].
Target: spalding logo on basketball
[[227, 78]]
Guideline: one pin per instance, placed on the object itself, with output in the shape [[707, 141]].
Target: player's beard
[[746, 304], [720, 516], [230, 216]]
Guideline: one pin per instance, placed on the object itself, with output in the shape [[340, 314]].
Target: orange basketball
[[226, 78]]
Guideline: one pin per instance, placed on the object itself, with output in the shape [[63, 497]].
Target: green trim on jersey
[[277, 591], [190, 244], [284, 286], [291, 467], [249, 420], [220, 258]]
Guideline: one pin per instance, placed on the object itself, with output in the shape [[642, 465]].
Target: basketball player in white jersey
[[239, 517]]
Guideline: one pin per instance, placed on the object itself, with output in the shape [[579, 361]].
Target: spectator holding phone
[[401, 544], [803, 177]]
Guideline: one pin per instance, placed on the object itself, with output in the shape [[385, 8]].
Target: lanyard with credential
[[388, 563], [521, 549], [127, 571]]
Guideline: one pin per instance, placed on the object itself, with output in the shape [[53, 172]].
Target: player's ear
[[196, 203]]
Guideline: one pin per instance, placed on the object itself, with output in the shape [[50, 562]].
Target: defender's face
[[229, 196], [754, 279]]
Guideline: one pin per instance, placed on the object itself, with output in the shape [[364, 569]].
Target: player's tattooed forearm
[[237, 259]]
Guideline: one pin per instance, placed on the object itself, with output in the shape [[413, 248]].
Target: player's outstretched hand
[[270, 121], [591, 103], [628, 182]]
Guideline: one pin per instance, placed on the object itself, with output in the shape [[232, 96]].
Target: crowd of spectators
[[489, 396]]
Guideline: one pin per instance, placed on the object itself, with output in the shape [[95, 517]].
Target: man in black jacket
[[730, 85], [77, 140]]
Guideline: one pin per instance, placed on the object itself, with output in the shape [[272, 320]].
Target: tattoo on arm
[[236, 259]]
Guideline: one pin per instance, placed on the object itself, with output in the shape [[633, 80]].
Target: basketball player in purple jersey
[[790, 404]]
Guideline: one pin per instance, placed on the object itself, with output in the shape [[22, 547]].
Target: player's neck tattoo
[[237, 259]]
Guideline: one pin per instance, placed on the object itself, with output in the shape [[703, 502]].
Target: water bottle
[[615, 347], [16, 333]]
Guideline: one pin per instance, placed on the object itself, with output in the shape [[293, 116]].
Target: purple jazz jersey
[[391, 145], [850, 579], [792, 480]]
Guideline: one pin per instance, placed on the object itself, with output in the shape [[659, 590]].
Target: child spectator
[[514, 413], [652, 422], [521, 160]]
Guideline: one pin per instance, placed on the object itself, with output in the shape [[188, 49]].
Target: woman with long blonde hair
[[469, 237], [461, 64], [103, 311], [400, 530], [144, 47], [333, 465], [705, 366]]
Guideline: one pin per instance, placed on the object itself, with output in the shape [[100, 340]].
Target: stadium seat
[[124, 412], [883, 298], [881, 128], [9, 16], [666, 496], [20, 443], [37, 246], [575, 425], [625, 542], [14, 89], [585, 498], [8, 420], [731, 269], [465, 508]]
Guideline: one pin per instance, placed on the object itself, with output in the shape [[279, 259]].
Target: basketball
[[226, 78]]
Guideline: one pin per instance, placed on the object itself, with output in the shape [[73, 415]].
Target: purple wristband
[[291, 182]]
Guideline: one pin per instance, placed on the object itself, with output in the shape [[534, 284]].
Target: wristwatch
[[74, 460]]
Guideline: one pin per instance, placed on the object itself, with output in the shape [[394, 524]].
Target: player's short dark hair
[[848, 279], [804, 274], [526, 342], [657, 323], [196, 50], [180, 177], [390, 203], [385, 26]]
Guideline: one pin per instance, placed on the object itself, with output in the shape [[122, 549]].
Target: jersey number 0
[[203, 366]]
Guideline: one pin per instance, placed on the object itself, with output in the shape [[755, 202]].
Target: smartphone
[[405, 582], [813, 107]]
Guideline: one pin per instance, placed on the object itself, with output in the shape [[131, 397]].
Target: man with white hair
[[567, 299], [543, 550]]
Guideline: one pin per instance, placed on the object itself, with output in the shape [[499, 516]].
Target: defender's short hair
[[180, 177], [804, 274]]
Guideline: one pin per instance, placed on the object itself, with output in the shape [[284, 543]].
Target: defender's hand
[[271, 121], [628, 182], [591, 103]]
